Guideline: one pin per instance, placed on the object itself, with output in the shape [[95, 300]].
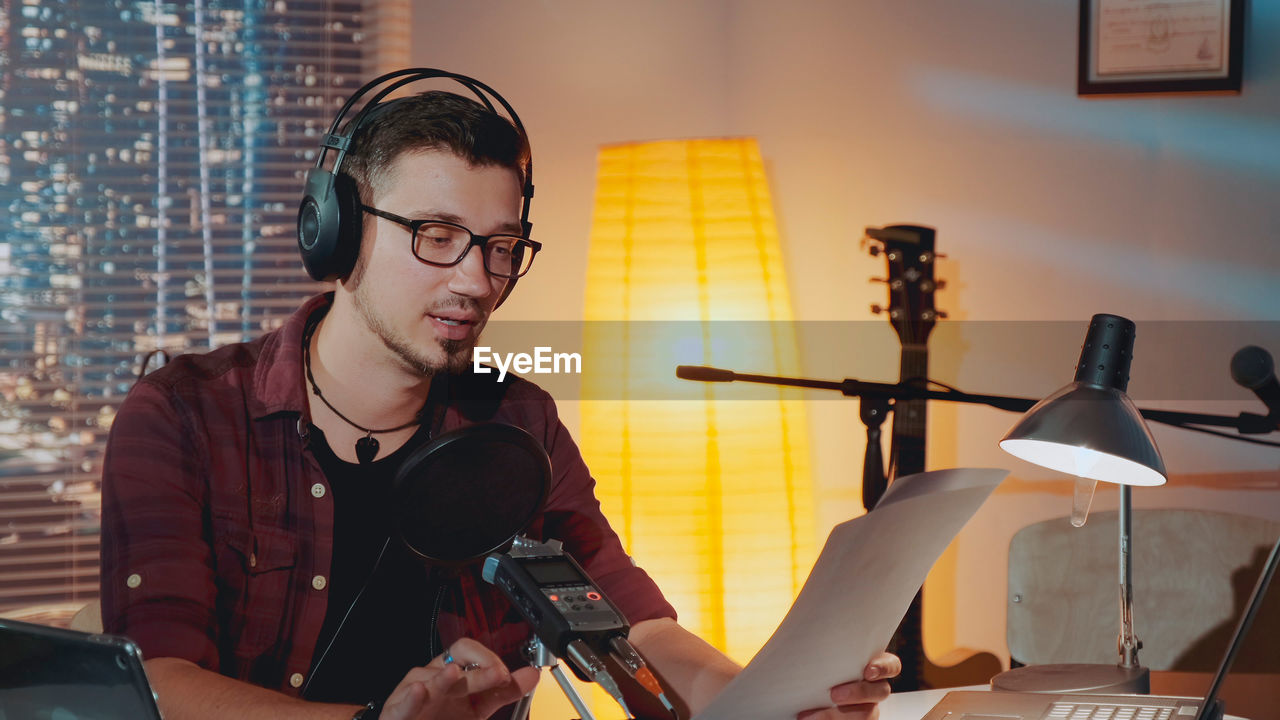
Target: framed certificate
[[1139, 46]]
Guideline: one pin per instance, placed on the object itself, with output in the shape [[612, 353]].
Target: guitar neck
[[906, 453]]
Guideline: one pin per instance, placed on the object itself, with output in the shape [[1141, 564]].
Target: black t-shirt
[[388, 609]]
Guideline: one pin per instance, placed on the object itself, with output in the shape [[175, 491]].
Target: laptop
[[49, 673], [1002, 705]]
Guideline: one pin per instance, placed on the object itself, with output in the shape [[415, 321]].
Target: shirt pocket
[[255, 577]]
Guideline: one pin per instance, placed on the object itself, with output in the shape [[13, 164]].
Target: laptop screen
[[53, 674], [1256, 601]]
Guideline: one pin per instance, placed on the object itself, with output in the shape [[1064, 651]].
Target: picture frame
[[1135, 46]]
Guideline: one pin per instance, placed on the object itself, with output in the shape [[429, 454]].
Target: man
[[246, 546]]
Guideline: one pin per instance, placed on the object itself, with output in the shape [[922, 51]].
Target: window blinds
[[151, 163]]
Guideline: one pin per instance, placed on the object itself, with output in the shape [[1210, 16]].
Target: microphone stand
[[540, 656], [878, 398]]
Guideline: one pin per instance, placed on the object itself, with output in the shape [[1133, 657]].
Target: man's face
[[430, 317]]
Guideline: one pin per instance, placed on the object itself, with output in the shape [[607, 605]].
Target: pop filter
[[469, 492]]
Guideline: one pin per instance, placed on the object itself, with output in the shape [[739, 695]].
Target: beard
[[456, 353]]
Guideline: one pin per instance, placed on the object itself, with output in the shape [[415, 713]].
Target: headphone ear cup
[[329, 224], [350, 224], [318, 224]]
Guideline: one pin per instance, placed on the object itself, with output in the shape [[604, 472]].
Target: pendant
[[366, 449]]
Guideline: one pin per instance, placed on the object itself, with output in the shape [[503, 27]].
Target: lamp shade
[[711, 493], [1091, 428]]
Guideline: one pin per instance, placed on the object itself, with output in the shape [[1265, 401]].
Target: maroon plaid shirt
[[217, 522]]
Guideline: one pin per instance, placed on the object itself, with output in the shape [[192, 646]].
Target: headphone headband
[[329, 217]]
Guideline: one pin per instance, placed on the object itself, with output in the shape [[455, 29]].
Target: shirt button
[[317, 490], [133, 580], [318, 582], [295, 680]]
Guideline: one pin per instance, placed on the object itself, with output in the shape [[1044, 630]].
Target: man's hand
[[472, 686], [859, 699]]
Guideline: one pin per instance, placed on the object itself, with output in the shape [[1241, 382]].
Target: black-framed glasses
[[445, 244]]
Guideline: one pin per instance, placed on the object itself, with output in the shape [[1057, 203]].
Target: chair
[[88, 618], [1193, 572], [54, 614], [84, 617]]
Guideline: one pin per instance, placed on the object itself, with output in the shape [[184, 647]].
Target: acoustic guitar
[[909, 253]]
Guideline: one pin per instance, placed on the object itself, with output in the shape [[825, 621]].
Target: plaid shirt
[[217, 522]]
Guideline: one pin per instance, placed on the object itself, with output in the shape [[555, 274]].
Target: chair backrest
[[88, 618], [1193, 572], [55, 614]]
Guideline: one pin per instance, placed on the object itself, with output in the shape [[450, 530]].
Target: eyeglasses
[[445, 244]]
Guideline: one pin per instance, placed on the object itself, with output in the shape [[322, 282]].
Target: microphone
[[702, 373], [570, 614], [1253, 368]]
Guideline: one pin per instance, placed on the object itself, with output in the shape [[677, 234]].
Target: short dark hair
[[433, 120]]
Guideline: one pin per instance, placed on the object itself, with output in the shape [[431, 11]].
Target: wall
[[1050, 207], [962, 116]]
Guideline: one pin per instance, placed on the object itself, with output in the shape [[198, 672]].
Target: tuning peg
[[940, 314], [878, 280], [876, 309], [875, 250], [939, 284]]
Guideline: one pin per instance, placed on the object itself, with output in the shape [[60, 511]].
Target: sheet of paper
[[856, 594]]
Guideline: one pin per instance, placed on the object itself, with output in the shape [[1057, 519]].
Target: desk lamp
[[1091, 429]]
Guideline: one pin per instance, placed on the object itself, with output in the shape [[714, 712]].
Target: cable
[[634, 665], [146, 360], [930, 381], [1221, 434], [1182, 426], [338, 630]]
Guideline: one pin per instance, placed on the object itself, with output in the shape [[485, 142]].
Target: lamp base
[[1074, 678]]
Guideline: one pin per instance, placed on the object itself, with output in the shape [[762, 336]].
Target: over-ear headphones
[[330, 218]]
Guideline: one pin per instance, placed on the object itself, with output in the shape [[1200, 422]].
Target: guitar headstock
[[908, 250]]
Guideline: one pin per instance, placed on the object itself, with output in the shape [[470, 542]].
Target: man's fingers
[[847, 712], [883, 666], [517, 685], [485, 678], [526, 679], [448, 681], [859, 692], [467, 680], [467, 653], [405, 702]]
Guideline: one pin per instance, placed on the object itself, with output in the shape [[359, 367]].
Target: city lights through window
[[151, 161]]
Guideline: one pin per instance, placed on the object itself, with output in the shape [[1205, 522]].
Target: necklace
[[367, 446]]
